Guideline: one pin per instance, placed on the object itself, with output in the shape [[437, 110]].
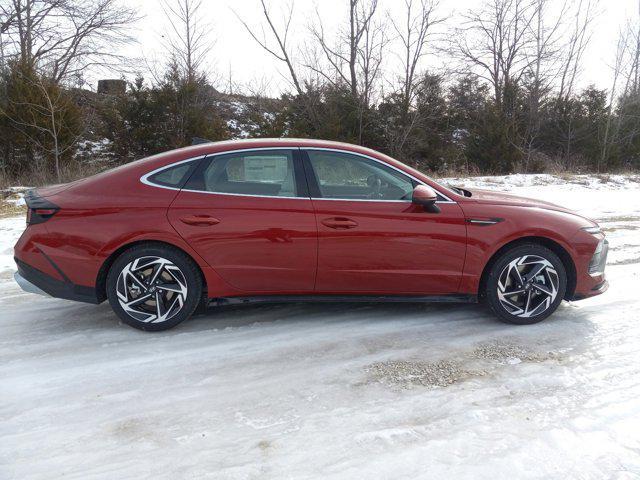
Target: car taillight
[[44, 212], [39, 209], [39, 215]]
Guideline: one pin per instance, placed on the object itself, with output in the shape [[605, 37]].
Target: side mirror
[[425, 196]]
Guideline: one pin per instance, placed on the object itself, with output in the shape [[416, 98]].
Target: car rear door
[[248, 214], [371, 238]]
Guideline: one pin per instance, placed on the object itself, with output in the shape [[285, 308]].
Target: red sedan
[[298, 220]]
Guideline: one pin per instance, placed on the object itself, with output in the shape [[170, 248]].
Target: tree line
[[509, 99]]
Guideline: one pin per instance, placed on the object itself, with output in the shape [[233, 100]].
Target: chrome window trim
[[364, 200], [145, 178], [420, 182], [243, 194]]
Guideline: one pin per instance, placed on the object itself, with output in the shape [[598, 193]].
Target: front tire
[[153, 287], [525, 284]]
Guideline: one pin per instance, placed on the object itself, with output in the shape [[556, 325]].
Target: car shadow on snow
[[436, 328]]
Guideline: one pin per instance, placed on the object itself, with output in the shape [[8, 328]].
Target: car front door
[[372, 238], [248, 214]]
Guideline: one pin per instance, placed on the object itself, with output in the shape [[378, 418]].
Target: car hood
[[500, 198]]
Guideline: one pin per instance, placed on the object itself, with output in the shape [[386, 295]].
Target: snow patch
[[332, 391]]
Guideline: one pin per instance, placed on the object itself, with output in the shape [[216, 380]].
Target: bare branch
[[189, 38], [282, 52], [61, 37]]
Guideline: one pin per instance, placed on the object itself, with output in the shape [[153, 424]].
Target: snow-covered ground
[[333, 391]]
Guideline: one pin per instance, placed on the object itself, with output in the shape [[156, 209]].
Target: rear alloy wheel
[[526, 284], [153, 287]]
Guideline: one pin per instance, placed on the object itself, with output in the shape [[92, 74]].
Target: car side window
[[352, 177], [263, 173], [173, 176]]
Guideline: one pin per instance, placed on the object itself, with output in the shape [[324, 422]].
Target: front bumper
[[33, 280], [596, 290], [593, 282]]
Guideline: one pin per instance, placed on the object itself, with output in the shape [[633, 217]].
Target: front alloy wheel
[[528, 286], [525, 284], [154, 286]]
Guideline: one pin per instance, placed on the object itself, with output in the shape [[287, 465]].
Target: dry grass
[[10, 209], [8, 205], [41, 177]]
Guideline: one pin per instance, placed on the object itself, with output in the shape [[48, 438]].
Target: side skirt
[[452, 298]]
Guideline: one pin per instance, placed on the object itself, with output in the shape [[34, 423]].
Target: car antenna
[[199, 140]]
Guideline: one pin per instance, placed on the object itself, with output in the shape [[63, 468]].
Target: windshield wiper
[[461, 191]]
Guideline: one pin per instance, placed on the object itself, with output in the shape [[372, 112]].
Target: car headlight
[[599, 259], [593, 230]]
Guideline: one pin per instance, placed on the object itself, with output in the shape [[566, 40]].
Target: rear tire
[[525, 284], [153, 287]]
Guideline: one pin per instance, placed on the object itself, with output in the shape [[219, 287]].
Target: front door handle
[[199, 220], [339, 223]]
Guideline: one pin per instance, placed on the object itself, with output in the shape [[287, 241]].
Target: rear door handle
[[199, 220], [339, 223]]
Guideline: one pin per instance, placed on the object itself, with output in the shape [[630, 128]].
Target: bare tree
[[624, 87], [189, 41], [631, 65], [571, 62], [63, 37], [418, 19], [355, 57], [494, 40], [543, 60], [413, 34], [281, 50], [576, 46], [6, 20], [369, 59], [546, 49]]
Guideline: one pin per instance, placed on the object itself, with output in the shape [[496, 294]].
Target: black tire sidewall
[[178, 258], [491, 286]]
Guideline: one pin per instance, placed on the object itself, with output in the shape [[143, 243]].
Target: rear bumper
[[27, 286], [33, 280]]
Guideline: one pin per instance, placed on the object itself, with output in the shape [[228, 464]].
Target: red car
[[298, 220]]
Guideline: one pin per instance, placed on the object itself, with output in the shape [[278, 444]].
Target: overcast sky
[[234, 51]]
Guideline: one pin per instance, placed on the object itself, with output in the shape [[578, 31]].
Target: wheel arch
[[552, 245], [101, 280]]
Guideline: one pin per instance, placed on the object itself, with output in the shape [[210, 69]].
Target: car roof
[[165, 158], [239, 144]]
